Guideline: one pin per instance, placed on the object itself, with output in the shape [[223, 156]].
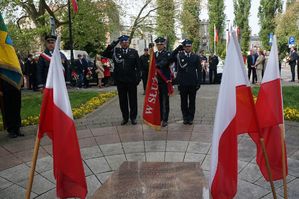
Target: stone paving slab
[[98, 165]]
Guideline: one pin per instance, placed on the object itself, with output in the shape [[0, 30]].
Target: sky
[[229, 12], [132, 9]]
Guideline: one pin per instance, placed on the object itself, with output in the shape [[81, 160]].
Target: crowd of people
[[257, 61]]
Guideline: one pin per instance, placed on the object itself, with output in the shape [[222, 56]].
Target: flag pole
[[70, 33], [268, 167], [285, 188], [33, 165]]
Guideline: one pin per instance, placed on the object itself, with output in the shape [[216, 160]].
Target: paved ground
[[105, 145]]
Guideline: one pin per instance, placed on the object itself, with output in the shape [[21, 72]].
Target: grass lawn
[[31, 102], [290, 96]]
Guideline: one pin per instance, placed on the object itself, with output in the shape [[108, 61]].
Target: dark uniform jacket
[[80, 67], [213, 62], [30, 68], [163, 60], [292, 58], [251, 59], [188, 69], [144, 64], [43, 67], [126, 64]]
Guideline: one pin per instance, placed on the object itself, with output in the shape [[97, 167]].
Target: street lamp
[[228, 21]]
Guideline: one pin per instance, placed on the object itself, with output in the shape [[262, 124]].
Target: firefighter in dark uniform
[[163, 61], [189, 79], [44, 63], [213, 62], [144, 63], [126, 76]]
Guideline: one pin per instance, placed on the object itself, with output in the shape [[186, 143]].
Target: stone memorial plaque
[[152, 180]]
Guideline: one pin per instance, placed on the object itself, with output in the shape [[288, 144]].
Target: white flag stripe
[[56, 81], [233, 76], [272, 68]]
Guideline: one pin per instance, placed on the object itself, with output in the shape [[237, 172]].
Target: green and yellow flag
[[10, 69]]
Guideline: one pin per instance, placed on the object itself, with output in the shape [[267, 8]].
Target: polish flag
[[234, 115], [151, 107], [56, 120], [215, 34], [75, 5], [269, 108]]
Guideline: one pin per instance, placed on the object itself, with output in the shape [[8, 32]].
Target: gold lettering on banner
[[152, 97], [148, 109]]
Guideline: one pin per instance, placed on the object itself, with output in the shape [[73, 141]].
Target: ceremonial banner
[[234, 115], [10, 69], [269, 111], [151, 109], [56, 120]]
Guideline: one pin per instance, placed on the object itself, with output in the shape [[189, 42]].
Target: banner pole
[[285, 188], [33, 165], [268, 168]]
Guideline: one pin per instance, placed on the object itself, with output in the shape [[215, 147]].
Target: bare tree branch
[[141, 19], [19, 20]]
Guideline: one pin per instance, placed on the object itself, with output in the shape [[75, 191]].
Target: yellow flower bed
[[92, 104], [78, 112], [288, 112], [291, 114]]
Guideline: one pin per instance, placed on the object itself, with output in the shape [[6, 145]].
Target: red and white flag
[[75, 5], [269, 108], [151, 107], [215, 34], [56, 120], [234, 115]]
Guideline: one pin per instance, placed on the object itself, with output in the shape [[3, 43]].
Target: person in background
[[266, 55], [213, 62], [292, 62], [144, 63], [85, 63], [99, 70], [259, 65], [280, 57], [251, 59], [80, 71], [203, 61], [44, 63], [107, 74], [26, 72]]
